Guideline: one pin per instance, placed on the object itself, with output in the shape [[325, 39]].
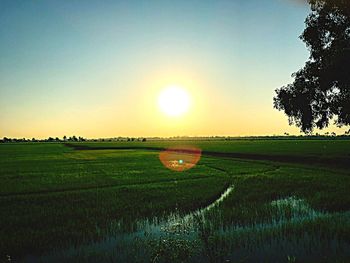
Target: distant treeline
[[70, 139], [286, 136]]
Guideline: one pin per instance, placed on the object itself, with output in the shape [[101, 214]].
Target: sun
[[174, 101]]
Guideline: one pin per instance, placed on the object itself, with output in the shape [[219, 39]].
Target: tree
[[321, 89]]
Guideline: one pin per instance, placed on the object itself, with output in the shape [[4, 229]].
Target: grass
[[318, 148], [51, 193], [53, 196], [324, 153]]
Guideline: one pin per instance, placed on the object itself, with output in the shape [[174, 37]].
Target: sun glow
[[174, 101]]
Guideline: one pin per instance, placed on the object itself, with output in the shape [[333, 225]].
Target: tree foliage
[[321, 89]]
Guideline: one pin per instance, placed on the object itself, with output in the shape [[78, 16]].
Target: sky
[[96, 68]]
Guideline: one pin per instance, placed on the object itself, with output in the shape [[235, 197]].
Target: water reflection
[[292, 231]]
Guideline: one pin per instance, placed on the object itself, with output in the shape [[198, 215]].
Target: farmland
[[115, 201]]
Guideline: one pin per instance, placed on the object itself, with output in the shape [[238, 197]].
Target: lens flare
[[180, 158]]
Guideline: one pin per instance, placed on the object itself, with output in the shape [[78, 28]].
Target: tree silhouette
[[321, 90]]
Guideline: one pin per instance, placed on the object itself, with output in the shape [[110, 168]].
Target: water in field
[[293, 232]]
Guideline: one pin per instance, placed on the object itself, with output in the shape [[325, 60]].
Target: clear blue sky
[[94, 68]]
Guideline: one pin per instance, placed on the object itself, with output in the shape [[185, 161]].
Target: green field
[[111, 201]]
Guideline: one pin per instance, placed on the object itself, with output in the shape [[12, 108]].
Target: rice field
[[243, 201]]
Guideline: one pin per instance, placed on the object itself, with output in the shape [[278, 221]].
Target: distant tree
[[65, 138], [50, 139], [144, 139], [72, 138], [321, 90]]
